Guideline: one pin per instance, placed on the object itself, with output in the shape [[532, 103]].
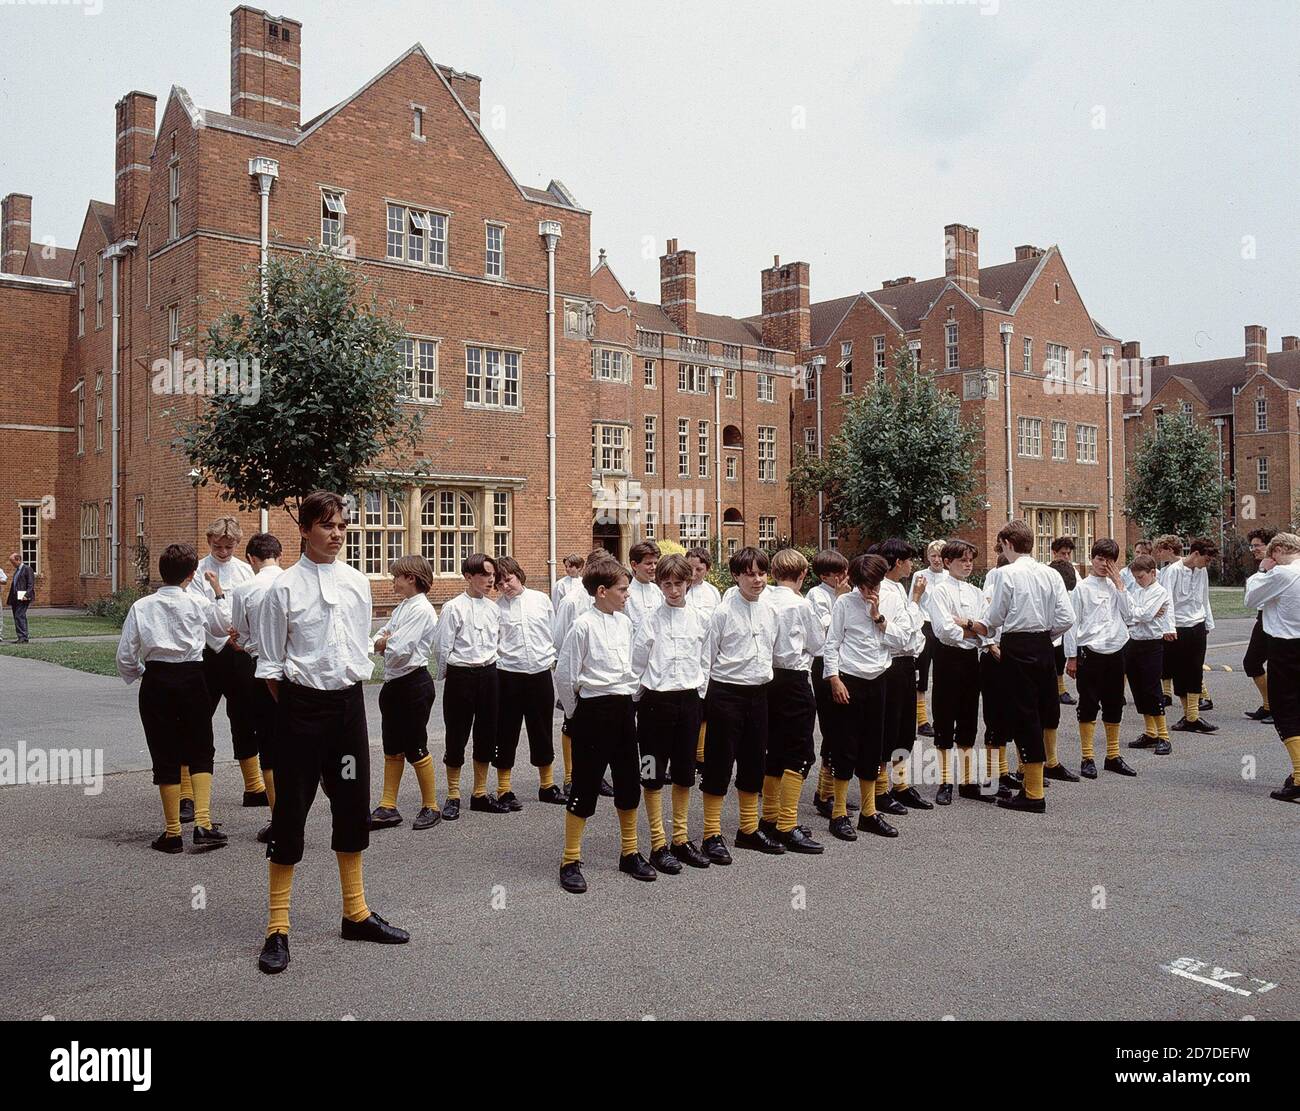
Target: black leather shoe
[[274, 956], [715, 850], [843, 829], [264, 834], [510, 801], [1163, 747], [487, 804], [944, 795], [976, 793], [1017, 778], [165, 844], [451, 810], [759, 841], [571, 878], [875, 823], [256, 798], [373, 928], [926, 730], [1259, 714], [427, 818], [1288, 792], [1205, 704], [887, 804], [800, 841], [768, 827], [1011, 781], [636, 866], [606, 790], [187, 810], [1198, 726], [1116, 764], [1067, 699], [911, 798], [1003, 792], [1144, 741], [1088, 769], [552, 794], [1061, 772], [823, 806], [662, 860], [688, 853], [384, 817], [1021, 801], [205, 840]]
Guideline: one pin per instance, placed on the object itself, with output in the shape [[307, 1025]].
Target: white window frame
[[683, 447], [486, 391], [702, 447], [1085, 443], [494, 257], [766, 453], [99, 291], [610, 365], [80, 391], [766, 531], [1029, 437], [649, 378], [502, 522], [651, 446], [767, 387], [1262, 485], [1056, 363], [89, 539], [609, 448], [377, 531], [1028, 355], [333, 210], [1060, 441], [446, 540], [731, 468], [99, 411], [1261, 414], [879, 343], [29, 510], [729, 384], [173, 200], [952, 347], [81, 299], [420, 363]]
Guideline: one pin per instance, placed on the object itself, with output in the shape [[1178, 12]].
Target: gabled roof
[[723, 329], [58, 266], [103, 212], [1213, 379]]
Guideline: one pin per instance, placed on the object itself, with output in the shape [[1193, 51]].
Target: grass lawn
[[73, 625], [1226, 602]]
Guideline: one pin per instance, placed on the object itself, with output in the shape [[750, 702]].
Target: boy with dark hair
[[742, 633], [1140, 548], [933, 573], [1275, 590], [1166, 550], [669, 663], [643, 595], [313, 637], [595, 681], [1188, 584], [1063, 564], [1151, 624], [703, 595], [1094, 649], [832, 571], [406, 700], [993, 699], [903, 611], [575, 603], [570, 580], [1255, 663], [526, 655], [162, 645]]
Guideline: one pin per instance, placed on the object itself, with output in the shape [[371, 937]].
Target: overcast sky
[[1154, 141]]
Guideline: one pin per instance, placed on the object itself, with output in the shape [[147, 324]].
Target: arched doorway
[[608, 535]]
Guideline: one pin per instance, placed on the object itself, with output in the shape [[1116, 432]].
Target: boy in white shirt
[[703, 595], [1188, 583], [525, 656], [1151, 624], [1140, 548], [668, 660], [643, 595], [1256, 659], [162, 645], [571, 580], [1275, 591], [406, 699], [1166, 551], [903, 611], [832, 571], [1094, 656], [933, 573], [465, 651], [1063, 564], [575, 603], [595, 682], [993, 700]]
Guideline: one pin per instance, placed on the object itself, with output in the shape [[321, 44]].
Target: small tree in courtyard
[[1174, 483]]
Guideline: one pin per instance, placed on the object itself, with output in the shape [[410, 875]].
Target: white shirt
[[1126, 577], [1276, 594], [596, 659], [563, 586], [1144, 603], [799, 634], [1190, 590], [822, 599], [642, 599], [668, 649], [1101, 617], [168, 625], [230, 574], [524, 643], [314, 626], [741, 638], [932, 579], [467, 633], [955, 600], [575, 604], [856, 646], [898, 609], [1029, 597], [410, 629], [245, 603], [704, 597], [995, 635]]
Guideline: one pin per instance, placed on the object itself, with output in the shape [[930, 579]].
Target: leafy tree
[[902, 465], [323, 404], [1174, 480]]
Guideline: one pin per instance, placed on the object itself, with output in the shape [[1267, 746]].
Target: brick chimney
[[1131, 350], [961, 256], [1026, 250], [787, 315], [1159, 360], [135, 138], [15, 232], [677, 287], [265, 67], [465, 86], [1291, 343], [1256, 348], [891, 282]]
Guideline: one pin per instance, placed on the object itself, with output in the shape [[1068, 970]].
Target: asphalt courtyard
[[1168, 896]]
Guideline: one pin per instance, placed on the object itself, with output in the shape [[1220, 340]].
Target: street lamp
[[1007, 330], [816, 363], [550, 232]]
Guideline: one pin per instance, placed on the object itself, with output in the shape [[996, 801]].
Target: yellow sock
[[1060, 684], [771, 797], [712, 816], [922, 718], [900, 775], [841, 807], [1261, 684], [354, 890], [1003, 766], [748, 810], [1049, 743], [171, 804], [681, 811], [945, 765], [393, 768], [627, 832], [791, 789], [187, 784], [573, 827], [453, 782], [427, 776], [1191, 707], [967, 765], [1293, 748], [268, 777], [503, 780], [994, 755], [566, 748], [1162, 726], [825, 783], [1149, 725], [654, 816], [1087, 731], [867, 788], [882, 780], [546, 776], [1204, 693], [1167, 685], [1033, 780], [279, 887], [699, 744], [480, 778], [202, 799], [1112, 739], [252, 771]]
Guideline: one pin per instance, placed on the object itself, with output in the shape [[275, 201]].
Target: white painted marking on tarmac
[[1190, 969]]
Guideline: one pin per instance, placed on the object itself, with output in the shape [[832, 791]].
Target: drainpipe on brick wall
[[265, 170], [716, 373], [1007, 330], [817, 362], [550, 232], [115, 252], [1107, 355]]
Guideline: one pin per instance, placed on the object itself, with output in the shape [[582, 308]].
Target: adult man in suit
[[22, 589]]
